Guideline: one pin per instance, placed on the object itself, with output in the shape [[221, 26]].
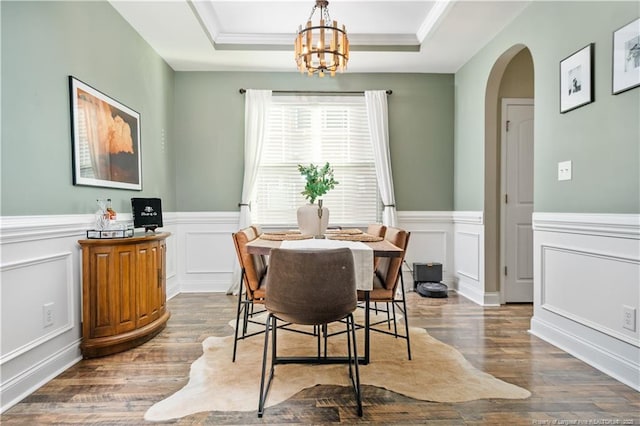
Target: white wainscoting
[[206, 255], [469, 258], [431, 241], [41, 263], [586, 269]]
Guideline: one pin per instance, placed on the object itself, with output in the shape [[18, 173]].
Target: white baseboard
[[470, 290], [35, 376], [610, 363], [208, 286]]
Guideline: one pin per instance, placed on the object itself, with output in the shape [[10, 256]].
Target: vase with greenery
[[313, 220], [318, 180]]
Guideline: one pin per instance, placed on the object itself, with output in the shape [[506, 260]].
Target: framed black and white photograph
[[106, 140], [626, 57], [576, 79]]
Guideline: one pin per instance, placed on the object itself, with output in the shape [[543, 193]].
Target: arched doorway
[[511, 78]]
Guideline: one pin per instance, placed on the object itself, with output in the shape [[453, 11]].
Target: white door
[[517, 200]]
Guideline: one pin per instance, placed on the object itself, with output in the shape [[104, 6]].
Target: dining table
[[381, 248]]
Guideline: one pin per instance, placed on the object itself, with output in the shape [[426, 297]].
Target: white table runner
[[362, 256]]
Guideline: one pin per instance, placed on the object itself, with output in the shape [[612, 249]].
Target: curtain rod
[[316, 92]]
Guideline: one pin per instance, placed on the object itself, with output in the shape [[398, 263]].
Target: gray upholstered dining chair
[[310, 287]]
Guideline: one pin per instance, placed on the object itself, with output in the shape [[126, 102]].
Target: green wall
[[42, 44], [209, 126], [192, 122], [602, 138]]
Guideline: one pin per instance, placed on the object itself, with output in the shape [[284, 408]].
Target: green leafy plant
[[319, 180]]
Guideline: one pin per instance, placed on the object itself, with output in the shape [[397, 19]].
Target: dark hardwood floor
[[118, 389]]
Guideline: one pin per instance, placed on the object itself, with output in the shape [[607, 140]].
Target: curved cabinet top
[[130, 240]]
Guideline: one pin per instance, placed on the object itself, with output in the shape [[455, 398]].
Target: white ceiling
[[257, 35]]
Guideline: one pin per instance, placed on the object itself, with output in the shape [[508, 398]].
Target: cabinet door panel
[[101, 293], [125, 305], [162, 288], [154, 281], [147, 283]]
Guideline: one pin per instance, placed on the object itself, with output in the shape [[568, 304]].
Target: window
[[305, 130]]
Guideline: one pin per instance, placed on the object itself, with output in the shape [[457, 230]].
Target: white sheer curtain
[[378, 116], [256, 113]]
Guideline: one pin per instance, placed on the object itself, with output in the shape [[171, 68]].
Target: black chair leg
[[325, 332], [389, 318], [235, 337], [395, 322], [406, 319], [354, 359], [245, 318], [264, 389]]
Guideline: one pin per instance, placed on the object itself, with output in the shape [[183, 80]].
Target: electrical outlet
[[564, 170], [629, 318], [47, 314]]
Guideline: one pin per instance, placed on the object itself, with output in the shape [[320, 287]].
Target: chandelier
[[324, 47]]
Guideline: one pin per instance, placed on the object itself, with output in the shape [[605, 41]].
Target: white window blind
[[305, 130]]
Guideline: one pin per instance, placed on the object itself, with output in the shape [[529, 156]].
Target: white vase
[[310, 221]]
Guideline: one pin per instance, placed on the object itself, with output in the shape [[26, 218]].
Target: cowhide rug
[[437, 373]]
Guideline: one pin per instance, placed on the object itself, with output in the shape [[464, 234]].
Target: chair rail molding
[[606, 225]]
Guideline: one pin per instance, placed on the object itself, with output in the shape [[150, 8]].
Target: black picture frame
[[105, 137], [625, 58], [577, 79]]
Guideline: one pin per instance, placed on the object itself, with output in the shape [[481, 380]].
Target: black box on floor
[[427, 272]]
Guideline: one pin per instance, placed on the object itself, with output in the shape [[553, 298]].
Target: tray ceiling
[[385, 35]]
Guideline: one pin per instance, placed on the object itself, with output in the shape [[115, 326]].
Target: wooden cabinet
[[123, 292]]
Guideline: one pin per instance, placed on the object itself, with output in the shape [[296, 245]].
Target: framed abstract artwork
[[106, 140], [626, 57], [576, 79]]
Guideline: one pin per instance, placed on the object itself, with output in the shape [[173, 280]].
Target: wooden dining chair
[[310, 287], [257, 228], [376, 229], [387, 276], [252, 290]]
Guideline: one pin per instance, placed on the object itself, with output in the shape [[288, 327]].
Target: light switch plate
[[564, 170]]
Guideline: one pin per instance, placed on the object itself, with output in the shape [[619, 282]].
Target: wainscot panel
[[206, 255], [586, 277], [431, 242], [469, 258], [41, 265]]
